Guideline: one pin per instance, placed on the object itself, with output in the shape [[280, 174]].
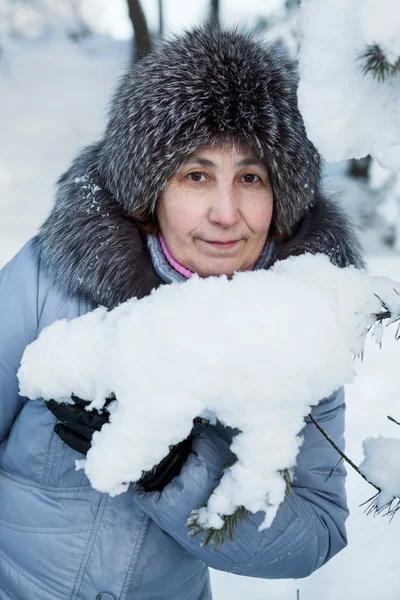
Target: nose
[[224, 209]]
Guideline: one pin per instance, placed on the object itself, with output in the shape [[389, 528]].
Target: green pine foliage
[[215, 538], [375, 62]]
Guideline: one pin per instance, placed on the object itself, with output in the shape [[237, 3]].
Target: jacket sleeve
[[18, 326], [308, 529]]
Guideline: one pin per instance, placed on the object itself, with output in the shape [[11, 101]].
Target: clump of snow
[[348, 114], [378, 177], [379, 24], [377, 333], [381, 466], [256, 351]]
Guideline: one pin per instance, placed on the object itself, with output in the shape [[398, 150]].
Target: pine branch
[[217, 537], [382, 316], [390, 508], [387, 510], [342, 454], [375, 62]]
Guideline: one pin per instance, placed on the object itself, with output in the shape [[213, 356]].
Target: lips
[[222, 244]]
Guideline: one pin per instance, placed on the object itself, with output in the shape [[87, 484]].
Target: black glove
[[78, 426], [168, 468]]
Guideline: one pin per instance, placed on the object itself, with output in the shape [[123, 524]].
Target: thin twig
[[392, 419], [383, 315], [370, 504], [342, 454], [334, 469], [385, 306]]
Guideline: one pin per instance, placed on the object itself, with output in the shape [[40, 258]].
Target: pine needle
[[215, 538], [375, 62], [387, 510]]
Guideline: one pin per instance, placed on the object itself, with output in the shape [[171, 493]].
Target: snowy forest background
[[59, 61]]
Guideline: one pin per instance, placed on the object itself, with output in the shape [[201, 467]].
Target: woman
[[204, 168]]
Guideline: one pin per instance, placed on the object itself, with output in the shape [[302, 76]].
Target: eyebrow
[[205, 162]]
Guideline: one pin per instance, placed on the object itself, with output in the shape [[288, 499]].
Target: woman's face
[[216, 211]]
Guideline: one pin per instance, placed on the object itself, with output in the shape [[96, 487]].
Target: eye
[[196, 176], [251, 178]]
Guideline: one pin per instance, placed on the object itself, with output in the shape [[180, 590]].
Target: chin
[[217, 270]]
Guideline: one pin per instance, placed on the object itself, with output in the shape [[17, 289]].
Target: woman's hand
[[199, 475], [77, 425], [168, 468]]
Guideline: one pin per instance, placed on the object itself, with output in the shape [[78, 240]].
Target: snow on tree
[[381, 466], [349, 92], [255, 351]]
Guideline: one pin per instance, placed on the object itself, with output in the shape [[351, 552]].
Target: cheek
[[258, 215], [178, 217], [186, 219]]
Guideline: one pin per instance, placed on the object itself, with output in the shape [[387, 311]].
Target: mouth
[[220, 244]]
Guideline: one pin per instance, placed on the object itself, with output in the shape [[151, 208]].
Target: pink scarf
[[174, 264]]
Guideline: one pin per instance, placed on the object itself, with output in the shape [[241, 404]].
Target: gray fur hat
[[196, 89]]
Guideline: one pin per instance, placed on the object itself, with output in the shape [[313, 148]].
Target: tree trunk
[[160, 18], [140, 28], [214, 12]]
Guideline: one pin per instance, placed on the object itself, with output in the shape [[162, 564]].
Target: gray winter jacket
[[59, 538]]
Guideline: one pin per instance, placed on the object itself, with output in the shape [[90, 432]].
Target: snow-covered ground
[[52, 100]]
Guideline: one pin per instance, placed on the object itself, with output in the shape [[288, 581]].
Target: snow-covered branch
[[349, 92], [255, 352]]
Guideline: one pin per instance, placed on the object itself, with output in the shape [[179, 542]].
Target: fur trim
[[193, 90], [89, 247], [325, 229]]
